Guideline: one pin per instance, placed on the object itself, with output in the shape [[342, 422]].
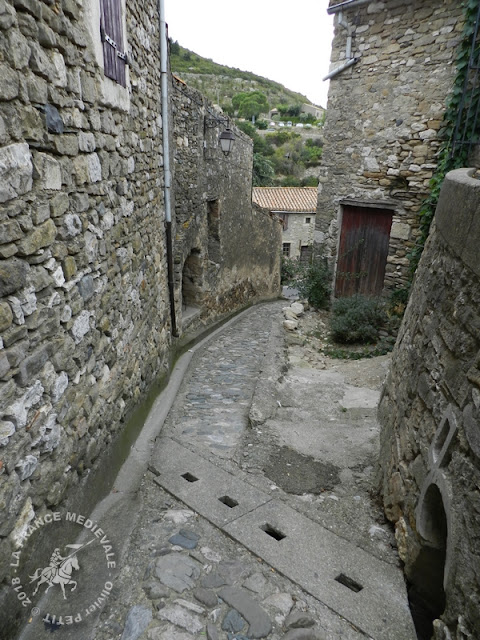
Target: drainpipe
[[348, 49], [346, 5], [341, 68], [166, 161]]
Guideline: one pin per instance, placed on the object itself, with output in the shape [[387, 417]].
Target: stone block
[[53, 120], [26, 467], [69, 268], [46, 36], [42, 236], [40, 63], [86, 142], [9, 82], [7, 429], [16, 170], [19, 49], [59, 70], [81, 326], [59, 204], [86, 288], [10, 231], [31, 6], [47, 171], [400, 230], [33, 364], [7, 15], [6, 316], [13, 275], [67, 145], [37, 89]]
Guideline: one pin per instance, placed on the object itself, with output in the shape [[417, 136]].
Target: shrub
[[357, 319], [313, 281], [288, 270]]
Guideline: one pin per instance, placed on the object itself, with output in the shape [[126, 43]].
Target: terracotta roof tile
[[297, 199]]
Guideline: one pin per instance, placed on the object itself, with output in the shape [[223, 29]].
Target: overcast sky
[[288, 41]]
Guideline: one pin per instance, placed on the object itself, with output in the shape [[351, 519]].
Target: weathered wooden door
[[363, 251]]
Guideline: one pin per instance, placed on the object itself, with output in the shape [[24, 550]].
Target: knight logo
[[64, 570]]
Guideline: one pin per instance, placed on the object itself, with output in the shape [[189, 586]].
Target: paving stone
[[181, 617], [212, 633], [304, 634], [258, 620], [191, 606], [185, 538], [299, 619], [138, 619], [283, 602], [214, 580], [155, 590], [167, 633], [206, 597], [177, 571], [233, 622]]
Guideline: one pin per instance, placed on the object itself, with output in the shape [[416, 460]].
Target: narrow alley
[[256, 514]]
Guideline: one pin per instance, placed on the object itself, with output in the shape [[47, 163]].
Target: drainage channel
[[367, 592]]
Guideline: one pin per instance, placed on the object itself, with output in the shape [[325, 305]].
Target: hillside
[[220, 83]]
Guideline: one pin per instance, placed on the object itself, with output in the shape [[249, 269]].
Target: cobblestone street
[[221, 550]]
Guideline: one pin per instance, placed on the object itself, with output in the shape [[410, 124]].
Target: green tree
[[250, 104], [263, 171]]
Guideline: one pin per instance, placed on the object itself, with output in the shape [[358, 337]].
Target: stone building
[[296, 207], [430, 416], [392, 68], [92, 292]]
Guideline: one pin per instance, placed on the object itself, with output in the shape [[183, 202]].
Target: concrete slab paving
[[367, 592], [212, 492]]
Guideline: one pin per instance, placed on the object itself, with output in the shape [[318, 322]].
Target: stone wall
[[84, 305], [384, 114], [299, 233], [227, 253], [430, 415]]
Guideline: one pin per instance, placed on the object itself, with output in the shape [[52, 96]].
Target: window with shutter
[[111, 29]]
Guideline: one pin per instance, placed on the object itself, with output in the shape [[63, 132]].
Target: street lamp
[[226, 139]]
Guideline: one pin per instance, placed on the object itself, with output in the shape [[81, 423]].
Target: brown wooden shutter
[[114, 56]]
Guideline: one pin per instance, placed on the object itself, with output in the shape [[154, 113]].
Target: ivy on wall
[[456, 119]]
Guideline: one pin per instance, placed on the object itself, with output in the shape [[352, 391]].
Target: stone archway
[[426, 575]]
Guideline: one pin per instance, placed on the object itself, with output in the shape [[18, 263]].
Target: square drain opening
[[229, 502], [349, 583], [189, 477], [274, 533]]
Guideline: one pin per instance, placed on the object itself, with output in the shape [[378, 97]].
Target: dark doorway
[[425, 580], [363, 251], [192, 280]]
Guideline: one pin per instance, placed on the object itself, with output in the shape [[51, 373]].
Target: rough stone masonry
[[430, 415], [382, 130], [85, 319]]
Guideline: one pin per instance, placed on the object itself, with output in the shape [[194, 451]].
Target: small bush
[[313, 281], [288, 270], [357, 319]]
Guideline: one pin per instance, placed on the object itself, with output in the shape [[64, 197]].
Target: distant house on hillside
[[313, 110], [296, 206]]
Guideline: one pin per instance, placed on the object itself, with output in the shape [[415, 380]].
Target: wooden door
[[363, 251]]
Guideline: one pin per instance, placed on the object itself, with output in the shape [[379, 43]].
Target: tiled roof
[[297, 199]]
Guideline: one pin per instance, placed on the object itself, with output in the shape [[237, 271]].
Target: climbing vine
[[455, 119]]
